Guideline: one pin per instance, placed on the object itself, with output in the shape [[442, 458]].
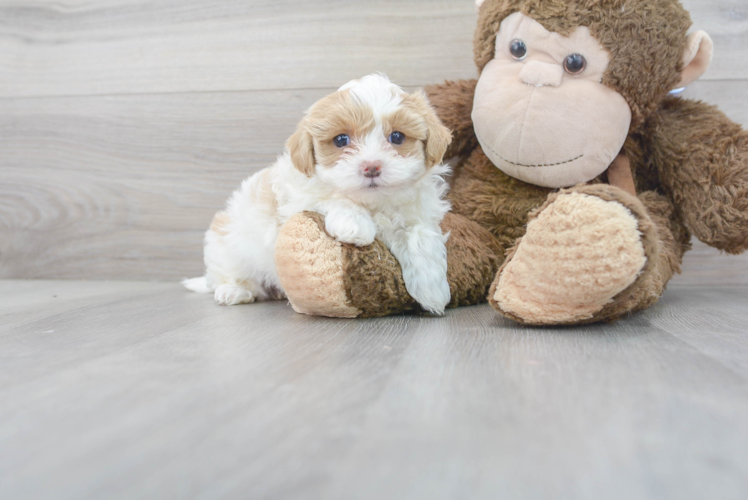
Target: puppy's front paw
[[231, 295], [426, 281], [346, 227], [431, 291]]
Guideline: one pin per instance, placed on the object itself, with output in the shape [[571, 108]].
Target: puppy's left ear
[[301, 147], [439, 136]]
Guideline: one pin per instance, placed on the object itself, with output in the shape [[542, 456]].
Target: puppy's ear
[[301, 147], [439, 137]]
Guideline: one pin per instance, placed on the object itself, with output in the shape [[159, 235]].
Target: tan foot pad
[[310, 267], [578, 254]]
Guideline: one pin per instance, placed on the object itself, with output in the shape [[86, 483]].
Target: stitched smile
[[541, 165], [523, 165]]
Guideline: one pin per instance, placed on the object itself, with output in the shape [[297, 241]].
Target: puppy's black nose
[[371, 169]]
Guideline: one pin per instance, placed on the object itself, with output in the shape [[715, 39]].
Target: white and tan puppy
[[368, 158]]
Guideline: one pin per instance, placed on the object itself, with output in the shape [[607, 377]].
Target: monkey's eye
[[397, 138], [575, 64], [341, 141], [518, 49]]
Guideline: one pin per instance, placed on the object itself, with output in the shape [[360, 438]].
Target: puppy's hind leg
[[233, 294], [226, 294]]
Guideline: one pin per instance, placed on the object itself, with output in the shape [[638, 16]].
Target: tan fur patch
[[301, 148], [332, 116], [438, 137], [220, 221], [413, 125], [263, 193], [408, 121], [327, 153]]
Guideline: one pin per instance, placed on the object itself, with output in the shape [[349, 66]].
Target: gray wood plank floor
[[142, 390]]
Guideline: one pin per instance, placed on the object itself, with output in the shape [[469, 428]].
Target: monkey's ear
[[439, 137], [697, 57], [301, 147]]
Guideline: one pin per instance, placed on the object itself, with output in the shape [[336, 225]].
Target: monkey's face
[[541, 112]]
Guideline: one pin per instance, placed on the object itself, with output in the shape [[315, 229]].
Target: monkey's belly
[[484, 194]]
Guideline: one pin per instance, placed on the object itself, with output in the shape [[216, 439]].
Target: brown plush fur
[[473, 258], [453, 102], [484, 194], [375, 281], [689, 161], [702, 161]]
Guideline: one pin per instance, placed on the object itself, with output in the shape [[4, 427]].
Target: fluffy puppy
[[368, 158]]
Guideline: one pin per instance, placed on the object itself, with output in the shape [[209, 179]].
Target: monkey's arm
[[453, 102], [702, 158]]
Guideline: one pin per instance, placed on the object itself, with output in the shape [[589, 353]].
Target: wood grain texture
[[77, 47], [142, 390], [125, 186]]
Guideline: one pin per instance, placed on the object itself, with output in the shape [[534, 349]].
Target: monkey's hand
[[702, 157]]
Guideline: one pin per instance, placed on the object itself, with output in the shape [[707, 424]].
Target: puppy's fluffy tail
[[198, 285]]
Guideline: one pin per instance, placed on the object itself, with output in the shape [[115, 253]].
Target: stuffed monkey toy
[[581, 178]]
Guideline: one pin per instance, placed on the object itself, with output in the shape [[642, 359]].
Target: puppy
[[368, 158]]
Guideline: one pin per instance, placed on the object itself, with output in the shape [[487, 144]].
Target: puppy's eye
[[341, 141], [575, 64], [518, 49], [397, 138]]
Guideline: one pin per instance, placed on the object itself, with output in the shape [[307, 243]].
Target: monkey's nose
[[542, 74], [371, 169]]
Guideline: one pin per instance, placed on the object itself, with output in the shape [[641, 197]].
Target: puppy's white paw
[[423, 258], [431, 291], [351, 227], [231, 295]]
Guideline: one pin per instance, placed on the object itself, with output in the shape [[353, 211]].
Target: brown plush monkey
[[581, 181]]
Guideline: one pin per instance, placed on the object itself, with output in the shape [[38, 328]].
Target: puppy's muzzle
[[371, 169]]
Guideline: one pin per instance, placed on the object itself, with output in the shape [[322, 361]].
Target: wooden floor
[[142, 390]]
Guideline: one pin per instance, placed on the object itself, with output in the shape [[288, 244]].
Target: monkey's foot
[[585, 258]]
